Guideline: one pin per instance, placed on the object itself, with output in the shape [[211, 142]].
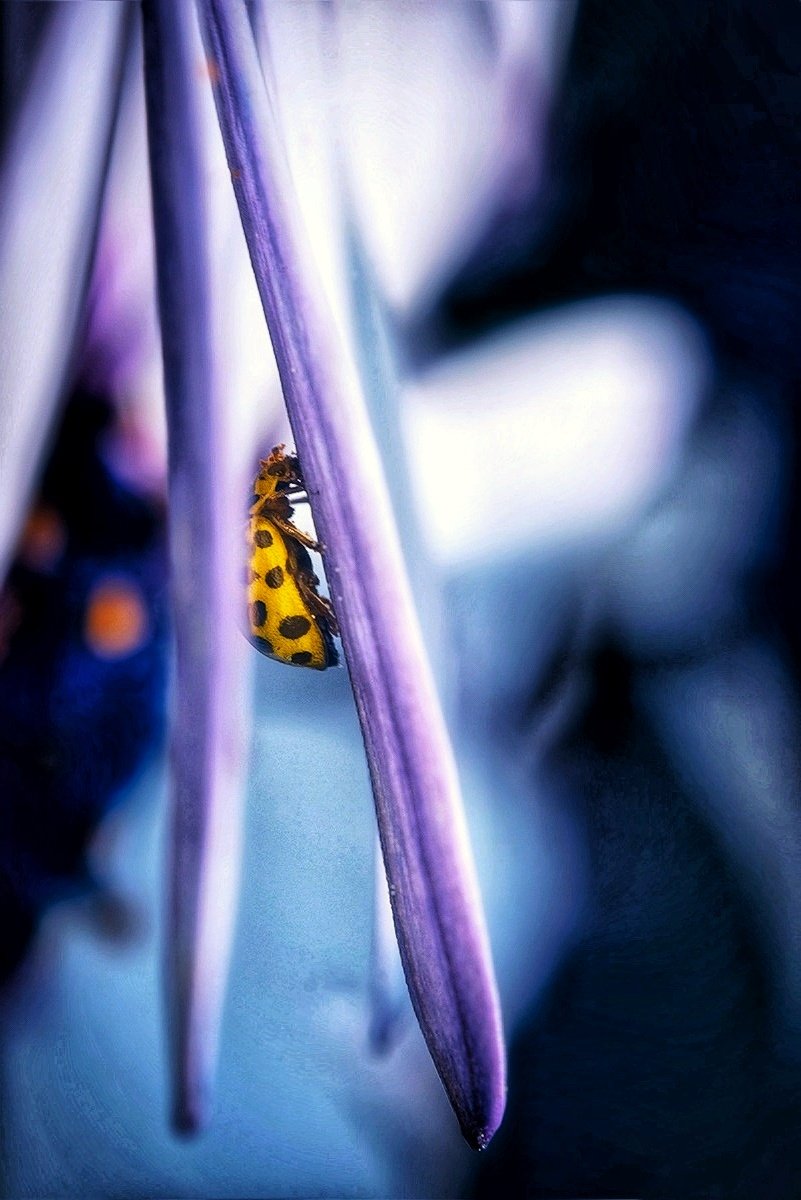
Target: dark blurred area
[[21, 29], [82, 630], [665, 1061], [82, 666], [672, 146]]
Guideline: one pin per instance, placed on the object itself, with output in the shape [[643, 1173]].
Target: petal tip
[[190, 1116], [479, 1133], [479, 1139]]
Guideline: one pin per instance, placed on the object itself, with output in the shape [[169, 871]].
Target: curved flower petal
[[47, 233], [432, 884], [209, 726]]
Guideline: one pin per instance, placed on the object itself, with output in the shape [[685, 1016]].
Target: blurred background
[[562, 241]]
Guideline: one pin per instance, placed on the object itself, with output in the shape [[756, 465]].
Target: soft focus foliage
[[578, 232]]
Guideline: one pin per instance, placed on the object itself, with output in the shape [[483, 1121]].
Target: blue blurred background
[[591, 321]]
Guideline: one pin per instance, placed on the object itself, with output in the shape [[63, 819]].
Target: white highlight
[[558, 429]]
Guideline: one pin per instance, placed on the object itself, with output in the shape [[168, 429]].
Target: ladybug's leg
[[319, 605], [294, 533]]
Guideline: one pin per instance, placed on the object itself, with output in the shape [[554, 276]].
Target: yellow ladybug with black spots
[[287, 617]]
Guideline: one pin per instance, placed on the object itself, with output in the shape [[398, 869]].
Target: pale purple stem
[[435, 901], [207, 732], [51, 183]]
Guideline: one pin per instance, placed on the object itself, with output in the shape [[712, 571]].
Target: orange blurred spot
[[43, 539], [209, 70], [116, 619]]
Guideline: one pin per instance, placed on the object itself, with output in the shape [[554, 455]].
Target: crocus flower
[[436, 912]]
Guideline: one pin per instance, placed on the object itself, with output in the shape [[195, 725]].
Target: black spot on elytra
[[254, 499], [258, 612], [274, 578], [263, 538], [264, 644], [294, 627], [301, 657]]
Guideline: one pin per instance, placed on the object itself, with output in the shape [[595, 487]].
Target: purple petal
[[208, 728], [51, 184], [434, 896]]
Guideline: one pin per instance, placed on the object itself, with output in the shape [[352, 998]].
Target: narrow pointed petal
[[434, 896], [380, 377], [50, 183], [207, 724]]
